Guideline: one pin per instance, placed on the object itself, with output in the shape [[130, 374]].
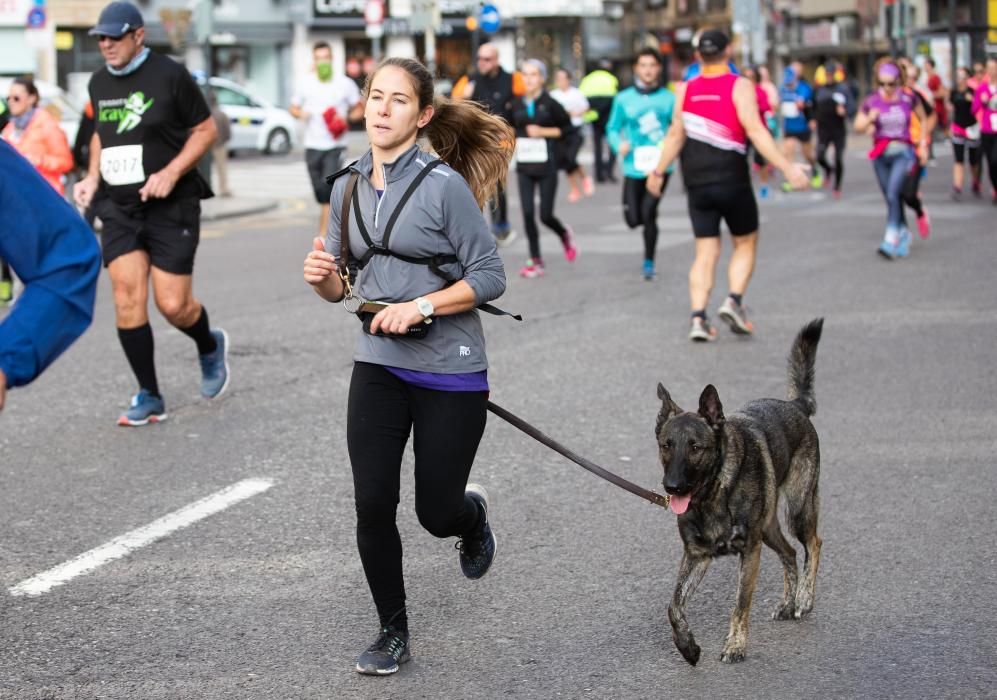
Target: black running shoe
[[477, 550], [383, 657]]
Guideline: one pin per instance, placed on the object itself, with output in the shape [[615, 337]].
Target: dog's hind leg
[[804, 524], [691, 572], [737, 638], [773, 537]]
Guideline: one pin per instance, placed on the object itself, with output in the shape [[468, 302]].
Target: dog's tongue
[[679, 504]]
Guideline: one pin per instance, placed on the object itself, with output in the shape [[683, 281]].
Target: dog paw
[[800, 613], [785, 611], [733, 655], [689, 649], [804, 604]]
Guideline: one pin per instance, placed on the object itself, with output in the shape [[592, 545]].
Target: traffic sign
[[36, 17], [490, 19]]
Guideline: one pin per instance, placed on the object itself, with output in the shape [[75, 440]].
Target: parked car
[[256, 123], [60, 103]]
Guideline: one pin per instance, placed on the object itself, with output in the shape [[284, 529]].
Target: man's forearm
[[199, 142], [762, 140], [93, 168]]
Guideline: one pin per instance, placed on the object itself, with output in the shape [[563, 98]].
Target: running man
[[153, 125], [716, 114], [985, 111], [637, 125], [796, 100], [326, 103], [832, 105]]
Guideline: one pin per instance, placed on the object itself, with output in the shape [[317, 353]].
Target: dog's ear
[[710, 407], [668, 408]]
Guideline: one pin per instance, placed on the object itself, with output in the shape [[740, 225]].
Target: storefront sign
[[339, 8]]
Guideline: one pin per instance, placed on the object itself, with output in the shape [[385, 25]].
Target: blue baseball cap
[[116, 20]]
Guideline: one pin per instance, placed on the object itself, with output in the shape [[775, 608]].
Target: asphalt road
[[266, 598]]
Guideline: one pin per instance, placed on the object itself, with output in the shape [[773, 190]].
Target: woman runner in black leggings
[[539, 120]]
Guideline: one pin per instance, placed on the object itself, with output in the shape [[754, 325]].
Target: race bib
[[993, 122], [790, 110], [646, 158], [531, 150], [122, 165]]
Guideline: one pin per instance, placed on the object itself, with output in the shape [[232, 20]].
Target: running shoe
[[587, 187], [477, 549], [386, 654], [816, 181], [214, 367], [903, 245], [701, 331], [836, 194], [6, 291], [504, 237], [574, 195], [786, 187], [887, 249], [924, 223], [534, 268], [570, 251], [977, 190], [735, 316], [145, 408], [648, 271], [956, 194], [763, 192]]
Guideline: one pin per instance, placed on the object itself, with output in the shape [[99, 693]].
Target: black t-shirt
[[962, 103], [143, 120], [547, 112], [494, 93]]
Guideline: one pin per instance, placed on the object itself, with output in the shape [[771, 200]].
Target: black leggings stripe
[[836, 139], [528, 185]]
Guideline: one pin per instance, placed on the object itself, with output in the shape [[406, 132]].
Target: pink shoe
[[587, 187], [570, 251], [533, 268], [574, 195], [836, 194], [924, 223]]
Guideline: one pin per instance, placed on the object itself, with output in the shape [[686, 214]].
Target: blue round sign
[[490, 19], [36, 18]]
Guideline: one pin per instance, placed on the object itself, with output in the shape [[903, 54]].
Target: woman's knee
[[437, 521]]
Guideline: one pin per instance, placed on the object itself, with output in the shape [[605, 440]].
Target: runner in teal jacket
[[637, 125]]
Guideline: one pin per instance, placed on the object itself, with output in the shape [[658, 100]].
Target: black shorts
[[167, 229], [322, 164], [566, 151], [960, 144], [801, 136], [734, 203]]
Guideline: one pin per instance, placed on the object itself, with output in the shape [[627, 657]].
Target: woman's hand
[[396, 319], [319, 265], [534, 130]]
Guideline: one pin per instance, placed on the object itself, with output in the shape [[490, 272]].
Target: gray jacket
[[440, 218]]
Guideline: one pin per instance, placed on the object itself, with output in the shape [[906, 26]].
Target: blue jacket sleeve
[[55, 254]]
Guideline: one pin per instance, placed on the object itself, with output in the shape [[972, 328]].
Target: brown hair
[[28, 84], [476, 144]]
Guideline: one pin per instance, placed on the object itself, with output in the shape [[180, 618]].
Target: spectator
[[219, 151], [36, 134], [600, 87]]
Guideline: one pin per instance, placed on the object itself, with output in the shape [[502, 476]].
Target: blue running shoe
[[763, 192], [903, 245], [145, 408], [214, 367], [648, 272], [477, 549], [887, 250]]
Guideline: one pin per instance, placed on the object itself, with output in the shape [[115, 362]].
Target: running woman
[[716, 114], [832, 105], [761, 166], [576, 105], [965, 135], [539, 121], [888, 113], [985, 111], [636, 128], [153, 125], [796, 102], [921, 135], [434, 387]]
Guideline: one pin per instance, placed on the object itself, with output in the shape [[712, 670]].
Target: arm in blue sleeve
[[55, 254], [465, 226]]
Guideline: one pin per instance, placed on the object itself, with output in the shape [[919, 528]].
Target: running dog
[[724, 477]]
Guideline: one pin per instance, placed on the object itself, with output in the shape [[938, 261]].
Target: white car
[[256, 123], [57, 101]]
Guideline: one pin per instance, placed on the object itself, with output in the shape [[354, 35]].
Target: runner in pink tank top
[[717, 115]]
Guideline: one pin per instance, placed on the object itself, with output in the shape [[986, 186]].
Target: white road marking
[[147, 534]]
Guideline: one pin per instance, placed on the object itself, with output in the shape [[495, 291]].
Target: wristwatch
[[425, 306]]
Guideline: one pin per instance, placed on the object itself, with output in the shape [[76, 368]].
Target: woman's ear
[[426, 116]]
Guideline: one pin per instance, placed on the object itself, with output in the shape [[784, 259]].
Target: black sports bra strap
[[405, 197]]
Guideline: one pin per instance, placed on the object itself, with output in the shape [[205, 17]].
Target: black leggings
[[499, 208], [447, 427], [837, 139], [548, 191], [910, 193], [641, 207], [988, 144]]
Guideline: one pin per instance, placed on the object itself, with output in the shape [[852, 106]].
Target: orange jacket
[[44, 144]]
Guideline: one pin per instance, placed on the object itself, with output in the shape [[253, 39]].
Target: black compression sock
[[736, 298], [700, 313], [201, 333], [140, 351]]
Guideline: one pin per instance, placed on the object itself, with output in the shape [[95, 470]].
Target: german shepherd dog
[[724, 477]]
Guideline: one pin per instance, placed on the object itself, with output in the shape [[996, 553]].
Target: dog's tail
[[802, 358]]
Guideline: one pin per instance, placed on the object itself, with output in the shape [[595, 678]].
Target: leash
[[655, 498]]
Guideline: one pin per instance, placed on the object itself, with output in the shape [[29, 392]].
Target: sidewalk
[[229, 207]]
